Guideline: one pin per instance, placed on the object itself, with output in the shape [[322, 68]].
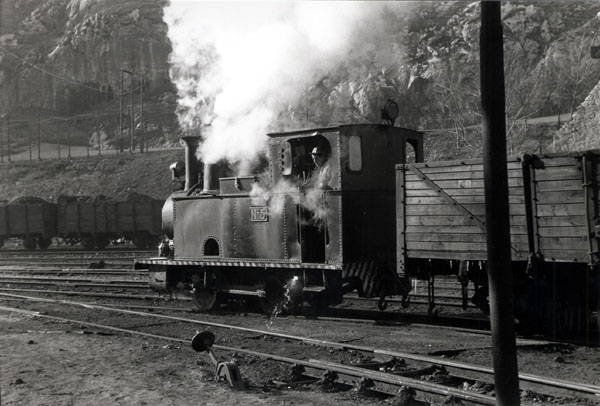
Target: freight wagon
[[28, 218], [554, 229], [93, 223]]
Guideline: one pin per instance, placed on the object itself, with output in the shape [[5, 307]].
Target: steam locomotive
[[384, 217]]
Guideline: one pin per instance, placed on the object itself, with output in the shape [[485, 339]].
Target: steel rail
[[73, 271], [78, 285], [315, 364], [76, 293], [583, 388], [34, 279]]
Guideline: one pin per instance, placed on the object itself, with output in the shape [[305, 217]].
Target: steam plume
[[238, 65]]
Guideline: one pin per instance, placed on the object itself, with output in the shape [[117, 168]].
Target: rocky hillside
[[114, 176], [62, 61]]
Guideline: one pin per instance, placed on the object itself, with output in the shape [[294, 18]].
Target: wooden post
[[1, 146], [120, 116], [142, 114], [98, 133], [39, 142], [131, 120], [496, 205], [8, 137], [69, 139]]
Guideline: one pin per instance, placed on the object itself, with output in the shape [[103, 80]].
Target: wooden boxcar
[[554, 224], [33, 220]]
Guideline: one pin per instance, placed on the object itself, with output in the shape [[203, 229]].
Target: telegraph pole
[[69, 139], [120, 115], [98, 133], [131, 120], [8, 136], [142, 114], [1, 146], [506, 372], [39, 142]]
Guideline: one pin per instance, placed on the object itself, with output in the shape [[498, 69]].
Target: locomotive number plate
[[259, 214]]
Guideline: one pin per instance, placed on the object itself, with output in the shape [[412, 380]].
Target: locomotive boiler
[[283, 234]]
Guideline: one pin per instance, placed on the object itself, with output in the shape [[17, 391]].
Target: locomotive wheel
[[274, 296], [205, 299], [44, 243], [29, 243]]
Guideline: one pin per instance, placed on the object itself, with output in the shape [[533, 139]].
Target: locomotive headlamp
[[390, 112], [177, 169]]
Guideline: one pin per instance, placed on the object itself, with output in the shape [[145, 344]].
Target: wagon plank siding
[[444, 210], [561, 211]]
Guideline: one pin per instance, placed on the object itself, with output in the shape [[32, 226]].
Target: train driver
[[322, 168]]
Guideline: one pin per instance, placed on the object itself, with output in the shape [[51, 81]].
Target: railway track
[[121, 282], [428, 375]]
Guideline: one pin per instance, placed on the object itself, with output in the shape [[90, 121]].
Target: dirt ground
[[55, 364], [46, 362]]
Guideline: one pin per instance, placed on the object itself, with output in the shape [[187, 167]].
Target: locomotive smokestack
[[191, 162], [211, 181]]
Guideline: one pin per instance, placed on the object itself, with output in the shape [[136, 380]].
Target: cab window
[[355, 154]]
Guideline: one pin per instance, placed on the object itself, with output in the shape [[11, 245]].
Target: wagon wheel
[[205, 299], [274, 296], [140, 241], [101, 241], [87, 243], [44, 243], [29, 242]]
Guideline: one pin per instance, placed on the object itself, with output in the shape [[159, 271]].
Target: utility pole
[[99, 135], [131, 119], [123, 71], [69, 139], [8, 136], [1, 146], [39, 142], [30, 147], [142, 114], [120, 115], [497, 220], [58, 138]]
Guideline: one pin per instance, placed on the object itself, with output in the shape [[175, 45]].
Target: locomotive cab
[[346, 222]]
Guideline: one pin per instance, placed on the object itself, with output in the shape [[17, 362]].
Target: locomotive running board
[[143, 264]]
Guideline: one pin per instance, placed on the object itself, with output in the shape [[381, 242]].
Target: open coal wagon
[[29, 218], [95, 223]]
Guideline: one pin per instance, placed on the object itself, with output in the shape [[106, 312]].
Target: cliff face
[[64, 58], [56, 42]]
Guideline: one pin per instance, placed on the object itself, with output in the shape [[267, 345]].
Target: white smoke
[[238, 64], [309, 196]]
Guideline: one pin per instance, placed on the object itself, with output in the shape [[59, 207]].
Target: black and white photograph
[[299, 202]]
